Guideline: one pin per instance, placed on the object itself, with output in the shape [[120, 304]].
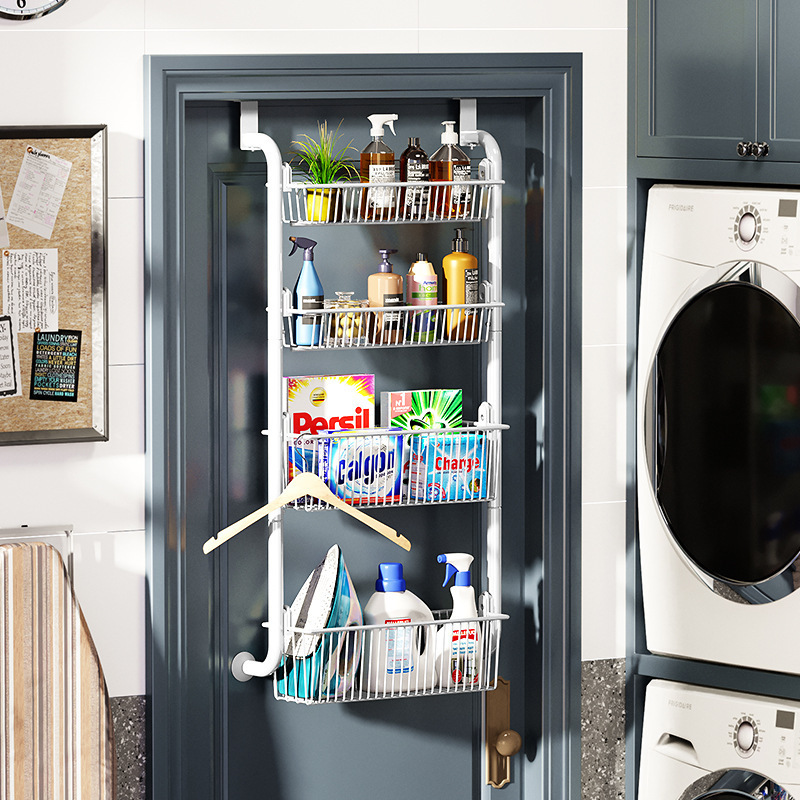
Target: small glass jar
[[348, 327]]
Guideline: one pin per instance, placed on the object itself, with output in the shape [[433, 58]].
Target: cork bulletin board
[[53, 326]]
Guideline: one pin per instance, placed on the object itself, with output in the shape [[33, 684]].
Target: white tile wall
[[88, 68], [603, 557]]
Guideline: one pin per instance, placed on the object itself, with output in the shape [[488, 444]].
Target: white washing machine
[[700, 743], [718, 425]]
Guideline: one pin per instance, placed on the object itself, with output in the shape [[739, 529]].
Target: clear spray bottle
[[377, 166], [459, 642]]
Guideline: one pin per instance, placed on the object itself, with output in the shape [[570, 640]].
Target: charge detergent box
[[449, 466], [316, 404], [365, 469]]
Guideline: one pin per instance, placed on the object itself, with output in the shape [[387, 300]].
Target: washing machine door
[[723, 443], [733, 784]]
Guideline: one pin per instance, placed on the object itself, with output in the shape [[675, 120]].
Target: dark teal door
[[222, 738]]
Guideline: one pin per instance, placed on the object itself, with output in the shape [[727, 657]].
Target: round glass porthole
[[727, 460]]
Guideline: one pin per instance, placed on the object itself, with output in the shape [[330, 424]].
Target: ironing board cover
[[56, 733]]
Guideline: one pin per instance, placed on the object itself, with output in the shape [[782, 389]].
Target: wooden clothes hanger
[[305, 483]]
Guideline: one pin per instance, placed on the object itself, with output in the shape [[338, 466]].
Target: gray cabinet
[[715, 74]]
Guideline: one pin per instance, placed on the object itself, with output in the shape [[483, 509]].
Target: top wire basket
[[390, 202]]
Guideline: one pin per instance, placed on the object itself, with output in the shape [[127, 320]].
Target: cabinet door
[[778, 110], [696, 77]]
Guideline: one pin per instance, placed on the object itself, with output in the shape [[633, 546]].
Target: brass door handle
[[501, 742], [508, 743]]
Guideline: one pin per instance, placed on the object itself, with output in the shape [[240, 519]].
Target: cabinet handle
[[754, 149]]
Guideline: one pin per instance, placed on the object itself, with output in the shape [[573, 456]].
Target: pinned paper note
[[9, 361], [30, 289], [38, 192]]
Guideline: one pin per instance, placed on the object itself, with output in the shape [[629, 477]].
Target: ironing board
[[56, 732]]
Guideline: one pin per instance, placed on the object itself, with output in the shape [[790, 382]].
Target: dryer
[[700, 743], [718, 425]]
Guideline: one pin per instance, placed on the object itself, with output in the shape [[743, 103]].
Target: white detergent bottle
[[459, 641], [398, 658]]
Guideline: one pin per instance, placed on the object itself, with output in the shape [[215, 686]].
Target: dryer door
[[725, 445]]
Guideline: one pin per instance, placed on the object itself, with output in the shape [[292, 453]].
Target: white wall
[[83, 64]]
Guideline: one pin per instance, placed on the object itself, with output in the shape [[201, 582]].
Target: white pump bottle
[[459, 642], [398, 656]]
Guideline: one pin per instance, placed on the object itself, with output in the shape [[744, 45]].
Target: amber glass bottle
[[414, 169], [450, 163]]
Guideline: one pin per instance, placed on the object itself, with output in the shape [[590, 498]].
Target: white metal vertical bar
[[494, 375], [251, 139]]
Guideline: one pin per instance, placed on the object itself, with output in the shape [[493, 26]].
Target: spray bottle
[[377, 166], [307, 295], [459, 645]]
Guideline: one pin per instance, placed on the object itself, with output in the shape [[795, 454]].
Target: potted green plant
[[323, 160]]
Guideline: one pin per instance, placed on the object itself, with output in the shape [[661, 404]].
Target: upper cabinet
[[717, 79]]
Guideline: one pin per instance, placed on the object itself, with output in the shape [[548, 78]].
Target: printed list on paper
[[38, 192], [9, 365], [30, 289]]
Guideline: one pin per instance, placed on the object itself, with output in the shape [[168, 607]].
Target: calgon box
[[366, 469], [316, 404]]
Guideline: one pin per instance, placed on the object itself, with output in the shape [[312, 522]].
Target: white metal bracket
[[468, 122]]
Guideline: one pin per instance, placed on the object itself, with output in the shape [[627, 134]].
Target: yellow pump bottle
[[461, 287]]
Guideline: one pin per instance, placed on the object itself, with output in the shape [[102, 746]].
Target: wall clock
[[28, 9]]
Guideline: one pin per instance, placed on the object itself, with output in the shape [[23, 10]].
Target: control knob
[[747, 227], [745, 737]]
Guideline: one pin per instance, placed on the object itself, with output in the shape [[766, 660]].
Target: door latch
[[501, 741]]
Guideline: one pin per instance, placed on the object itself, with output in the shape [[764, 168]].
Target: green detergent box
[[421, 409]]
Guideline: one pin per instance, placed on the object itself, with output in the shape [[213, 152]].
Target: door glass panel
[[728, 462]]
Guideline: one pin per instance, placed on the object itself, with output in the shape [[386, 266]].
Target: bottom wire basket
[[377, 662]]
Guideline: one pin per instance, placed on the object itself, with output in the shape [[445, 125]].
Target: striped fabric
[[56, 734]]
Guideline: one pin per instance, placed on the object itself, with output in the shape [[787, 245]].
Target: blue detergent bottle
[[307, 296]]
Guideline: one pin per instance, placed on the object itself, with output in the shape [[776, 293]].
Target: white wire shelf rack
[[349, 203], [380, 662], [362, 327], [379, 468]]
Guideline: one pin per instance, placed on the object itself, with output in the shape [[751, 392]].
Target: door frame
[[171, 82]]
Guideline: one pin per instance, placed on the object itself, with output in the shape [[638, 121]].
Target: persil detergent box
[[449, 467], [318, 403], [365, 469]]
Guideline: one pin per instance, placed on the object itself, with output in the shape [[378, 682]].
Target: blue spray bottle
[[307, 295]]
